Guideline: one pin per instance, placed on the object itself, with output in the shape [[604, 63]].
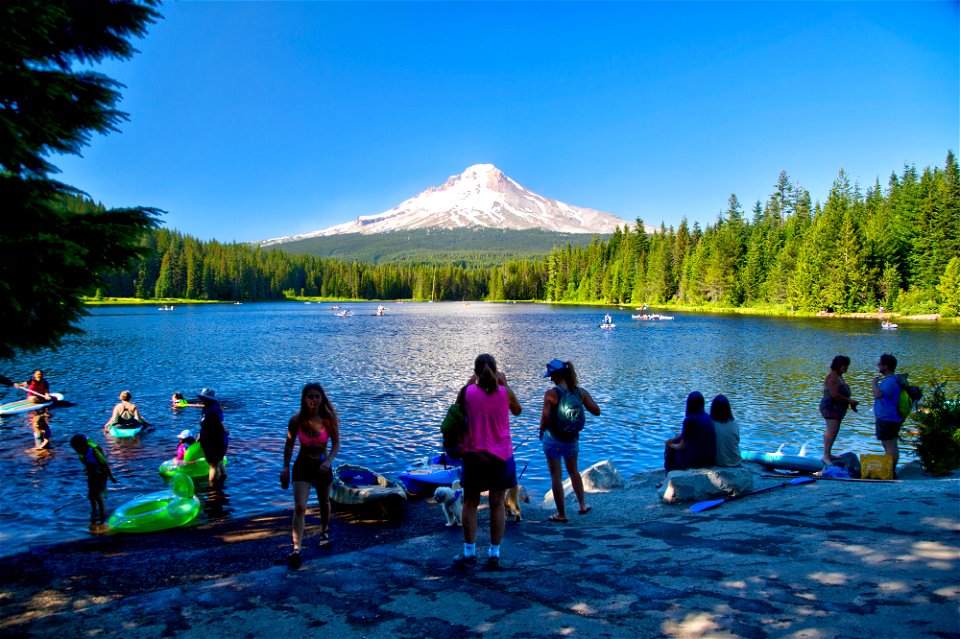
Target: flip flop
[[586, 510], [557, 518], [324, 538]]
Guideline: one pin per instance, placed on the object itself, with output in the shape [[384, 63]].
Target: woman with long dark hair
[[728, 433], [834, 404], [315, 425], [488, 463], [560, 421], [696, 445]]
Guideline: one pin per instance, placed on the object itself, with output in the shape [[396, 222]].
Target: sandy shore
[[820, 560]]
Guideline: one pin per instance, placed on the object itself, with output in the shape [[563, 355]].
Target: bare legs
[[830, 436], [301, 492], [891, 447], [556, 484], [471, 502]]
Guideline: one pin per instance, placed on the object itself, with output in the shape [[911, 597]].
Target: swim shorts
[[482, 471]]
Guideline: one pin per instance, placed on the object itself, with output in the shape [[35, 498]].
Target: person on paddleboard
[[125, 414], [38, 386]]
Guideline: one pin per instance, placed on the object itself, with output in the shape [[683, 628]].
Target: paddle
[[707, 505]]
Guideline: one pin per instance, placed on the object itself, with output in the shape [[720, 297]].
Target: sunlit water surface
[[392, 377]]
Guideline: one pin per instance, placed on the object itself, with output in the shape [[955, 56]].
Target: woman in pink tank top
[[488, 462]]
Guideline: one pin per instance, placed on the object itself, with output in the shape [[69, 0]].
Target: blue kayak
[[783, 461], [427, 475]]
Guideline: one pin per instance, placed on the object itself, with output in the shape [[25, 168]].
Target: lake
[[391, 379]]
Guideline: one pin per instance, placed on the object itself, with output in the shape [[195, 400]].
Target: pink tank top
[[488, 417]]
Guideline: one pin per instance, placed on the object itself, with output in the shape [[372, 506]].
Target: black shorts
[[308, 469], [482, 471], [96, 485], [886, 431]]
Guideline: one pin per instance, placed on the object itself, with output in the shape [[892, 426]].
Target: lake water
[[392, 377]]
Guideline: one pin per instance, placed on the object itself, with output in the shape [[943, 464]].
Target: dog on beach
[[512, 500], [451, 503]]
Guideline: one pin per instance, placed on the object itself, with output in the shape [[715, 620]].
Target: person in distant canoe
[[213, 436], [696, 445], [314, 425], [125, 414], [38, 386], [834, 404]]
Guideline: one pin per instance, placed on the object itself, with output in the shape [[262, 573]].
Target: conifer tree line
[[896, 246]]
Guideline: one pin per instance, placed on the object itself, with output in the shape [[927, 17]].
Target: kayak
[[158, 511], [25, 405], [359, 488], [783, 461], [424, 477]]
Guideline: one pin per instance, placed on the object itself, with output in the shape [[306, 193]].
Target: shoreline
[[822, 559], [705, 310]]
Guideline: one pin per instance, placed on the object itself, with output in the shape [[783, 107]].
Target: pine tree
[[46, 108]]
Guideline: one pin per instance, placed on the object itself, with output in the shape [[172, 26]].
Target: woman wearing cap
[[186, 440], [213, 436], [313, 426], [125, 414], [488, 462], [564, 445]]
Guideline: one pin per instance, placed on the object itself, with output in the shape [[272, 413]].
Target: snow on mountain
[[480, 196]]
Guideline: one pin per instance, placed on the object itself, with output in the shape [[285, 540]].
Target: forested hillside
[[896, 245], [470, 247]]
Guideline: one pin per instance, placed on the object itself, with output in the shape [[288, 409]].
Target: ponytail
[[485, 367]]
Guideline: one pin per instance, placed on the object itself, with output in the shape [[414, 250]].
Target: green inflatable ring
[[196, 468], [158, 511]]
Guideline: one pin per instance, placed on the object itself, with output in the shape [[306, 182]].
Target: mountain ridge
[[480, 196]]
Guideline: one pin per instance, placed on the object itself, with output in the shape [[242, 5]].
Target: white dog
[[451, 502]]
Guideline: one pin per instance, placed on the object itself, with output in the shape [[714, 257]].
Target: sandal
[[294, 560], [586, 510], [557, 518], [324, 537]]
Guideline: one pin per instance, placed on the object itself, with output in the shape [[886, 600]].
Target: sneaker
[[294, 560], [493, 564], [462, 563]]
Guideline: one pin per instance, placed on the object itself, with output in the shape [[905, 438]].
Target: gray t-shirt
[[728, 443]]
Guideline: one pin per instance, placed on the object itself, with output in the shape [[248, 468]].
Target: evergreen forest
[[895, 245]]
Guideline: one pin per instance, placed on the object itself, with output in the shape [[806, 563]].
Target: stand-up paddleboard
[[781, 460], [26, 405]]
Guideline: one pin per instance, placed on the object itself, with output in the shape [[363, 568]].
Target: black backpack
[[454, 426]]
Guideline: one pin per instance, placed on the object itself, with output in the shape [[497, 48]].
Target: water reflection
[[392, 377]]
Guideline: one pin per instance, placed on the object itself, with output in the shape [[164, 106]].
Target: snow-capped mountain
[[480, 196]]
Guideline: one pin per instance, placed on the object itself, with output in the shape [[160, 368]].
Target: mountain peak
[[482, 195]]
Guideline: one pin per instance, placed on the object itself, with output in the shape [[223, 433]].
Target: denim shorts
[[555, 449]]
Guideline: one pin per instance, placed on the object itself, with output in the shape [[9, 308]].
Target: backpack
[[454, 427], [569, 417], [909, 395]]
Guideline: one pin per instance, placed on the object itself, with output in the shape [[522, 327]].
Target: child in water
[[177, 401], [98, 471], [40, 421], [185, 442]]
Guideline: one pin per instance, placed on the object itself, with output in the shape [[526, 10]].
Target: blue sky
[[263, 119]]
